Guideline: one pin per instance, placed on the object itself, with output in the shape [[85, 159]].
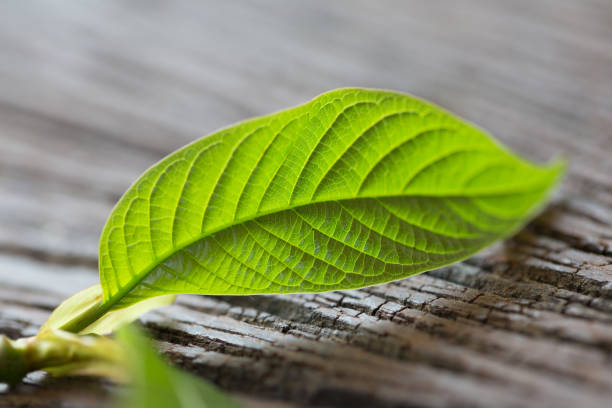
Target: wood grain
[[92, 93]]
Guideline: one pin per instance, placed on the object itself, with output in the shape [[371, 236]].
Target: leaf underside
[[355, 188]]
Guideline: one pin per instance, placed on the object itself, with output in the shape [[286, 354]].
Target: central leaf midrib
[[114, 299]]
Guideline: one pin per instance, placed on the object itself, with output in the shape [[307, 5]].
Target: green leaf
[[156, 384], [354, 188], [90, 299]]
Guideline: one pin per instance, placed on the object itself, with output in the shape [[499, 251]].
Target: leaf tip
[[557, 168]]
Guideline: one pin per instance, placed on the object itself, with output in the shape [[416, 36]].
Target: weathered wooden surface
[[92, 93]]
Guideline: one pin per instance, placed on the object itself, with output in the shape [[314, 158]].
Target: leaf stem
[[89, 316], [13, 361]]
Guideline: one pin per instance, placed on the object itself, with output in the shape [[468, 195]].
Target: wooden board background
[[94, 92]]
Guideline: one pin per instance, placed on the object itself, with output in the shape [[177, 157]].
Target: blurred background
[[94, 92]]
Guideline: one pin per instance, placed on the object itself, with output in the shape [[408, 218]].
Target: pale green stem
[[62, 352]]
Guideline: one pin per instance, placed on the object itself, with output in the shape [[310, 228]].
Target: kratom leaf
[[155, 384], [355, 188], [89, 299]]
